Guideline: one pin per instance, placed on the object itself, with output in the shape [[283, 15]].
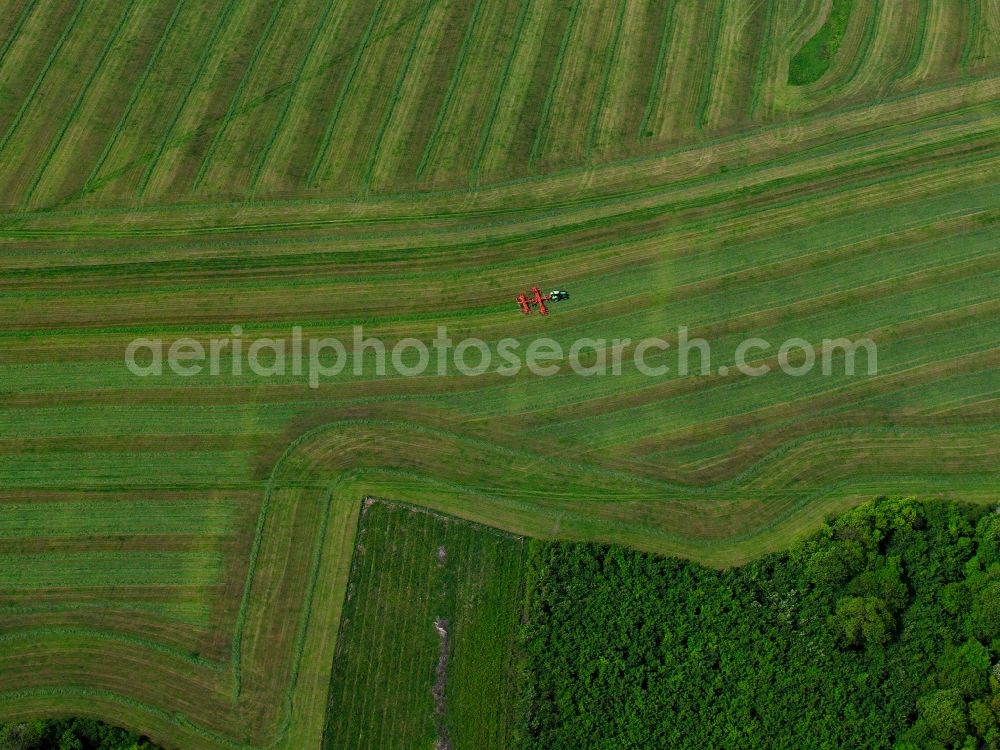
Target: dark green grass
[[814, 59], [387, 653]]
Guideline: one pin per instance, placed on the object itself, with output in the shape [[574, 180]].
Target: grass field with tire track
[[174, 551], [413, 572]]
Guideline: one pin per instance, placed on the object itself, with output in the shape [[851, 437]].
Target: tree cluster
[[882, 630], [69, 734]]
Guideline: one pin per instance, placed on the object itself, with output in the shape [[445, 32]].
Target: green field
[[174, 552], [413, 570]]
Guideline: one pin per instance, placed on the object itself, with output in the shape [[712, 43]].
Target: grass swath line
[[864, 48], [666, 37], [765, 48], [25, 12], [504, 77], [452, 85], [202, 63], [292, 90], [609, 61], [258, 541], [705, 97], [316, 562], [136, 91], [918, 42], [553, 83], [112, 38], [366, 177], [238, 94], [41, 76], [324, 143], [359, 620], [970, 36]]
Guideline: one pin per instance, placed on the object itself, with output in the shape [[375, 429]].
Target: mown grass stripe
[[255, 551], [666, 37], [971, 32], [705, 96], [362, 569], [36, 634], [918, 42], [25, 13], [134, 97], [602, 92], [862, 53], [206, 53], [543, 120], [78, 102], [286, 106], [234, 101], [501, 87], [765, 50], [40, 78], [352, 72], [100, 569], [390, 109], [456, 75]]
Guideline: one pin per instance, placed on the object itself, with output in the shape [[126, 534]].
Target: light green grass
[[73, 569]]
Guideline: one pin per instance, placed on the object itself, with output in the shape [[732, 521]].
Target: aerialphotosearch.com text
[[322, 358]]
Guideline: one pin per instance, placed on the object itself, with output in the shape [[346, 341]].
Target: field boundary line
[[78, 102], [40, 78], [234, 100]]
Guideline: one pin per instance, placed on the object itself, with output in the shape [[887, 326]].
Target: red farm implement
[[537, 299]]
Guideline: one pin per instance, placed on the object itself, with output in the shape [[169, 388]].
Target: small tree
[[861, 620], [944, 713]]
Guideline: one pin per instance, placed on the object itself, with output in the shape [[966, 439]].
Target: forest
[[69, 734], [881, 630]]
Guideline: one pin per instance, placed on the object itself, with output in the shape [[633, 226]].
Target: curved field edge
[[336, 459]]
